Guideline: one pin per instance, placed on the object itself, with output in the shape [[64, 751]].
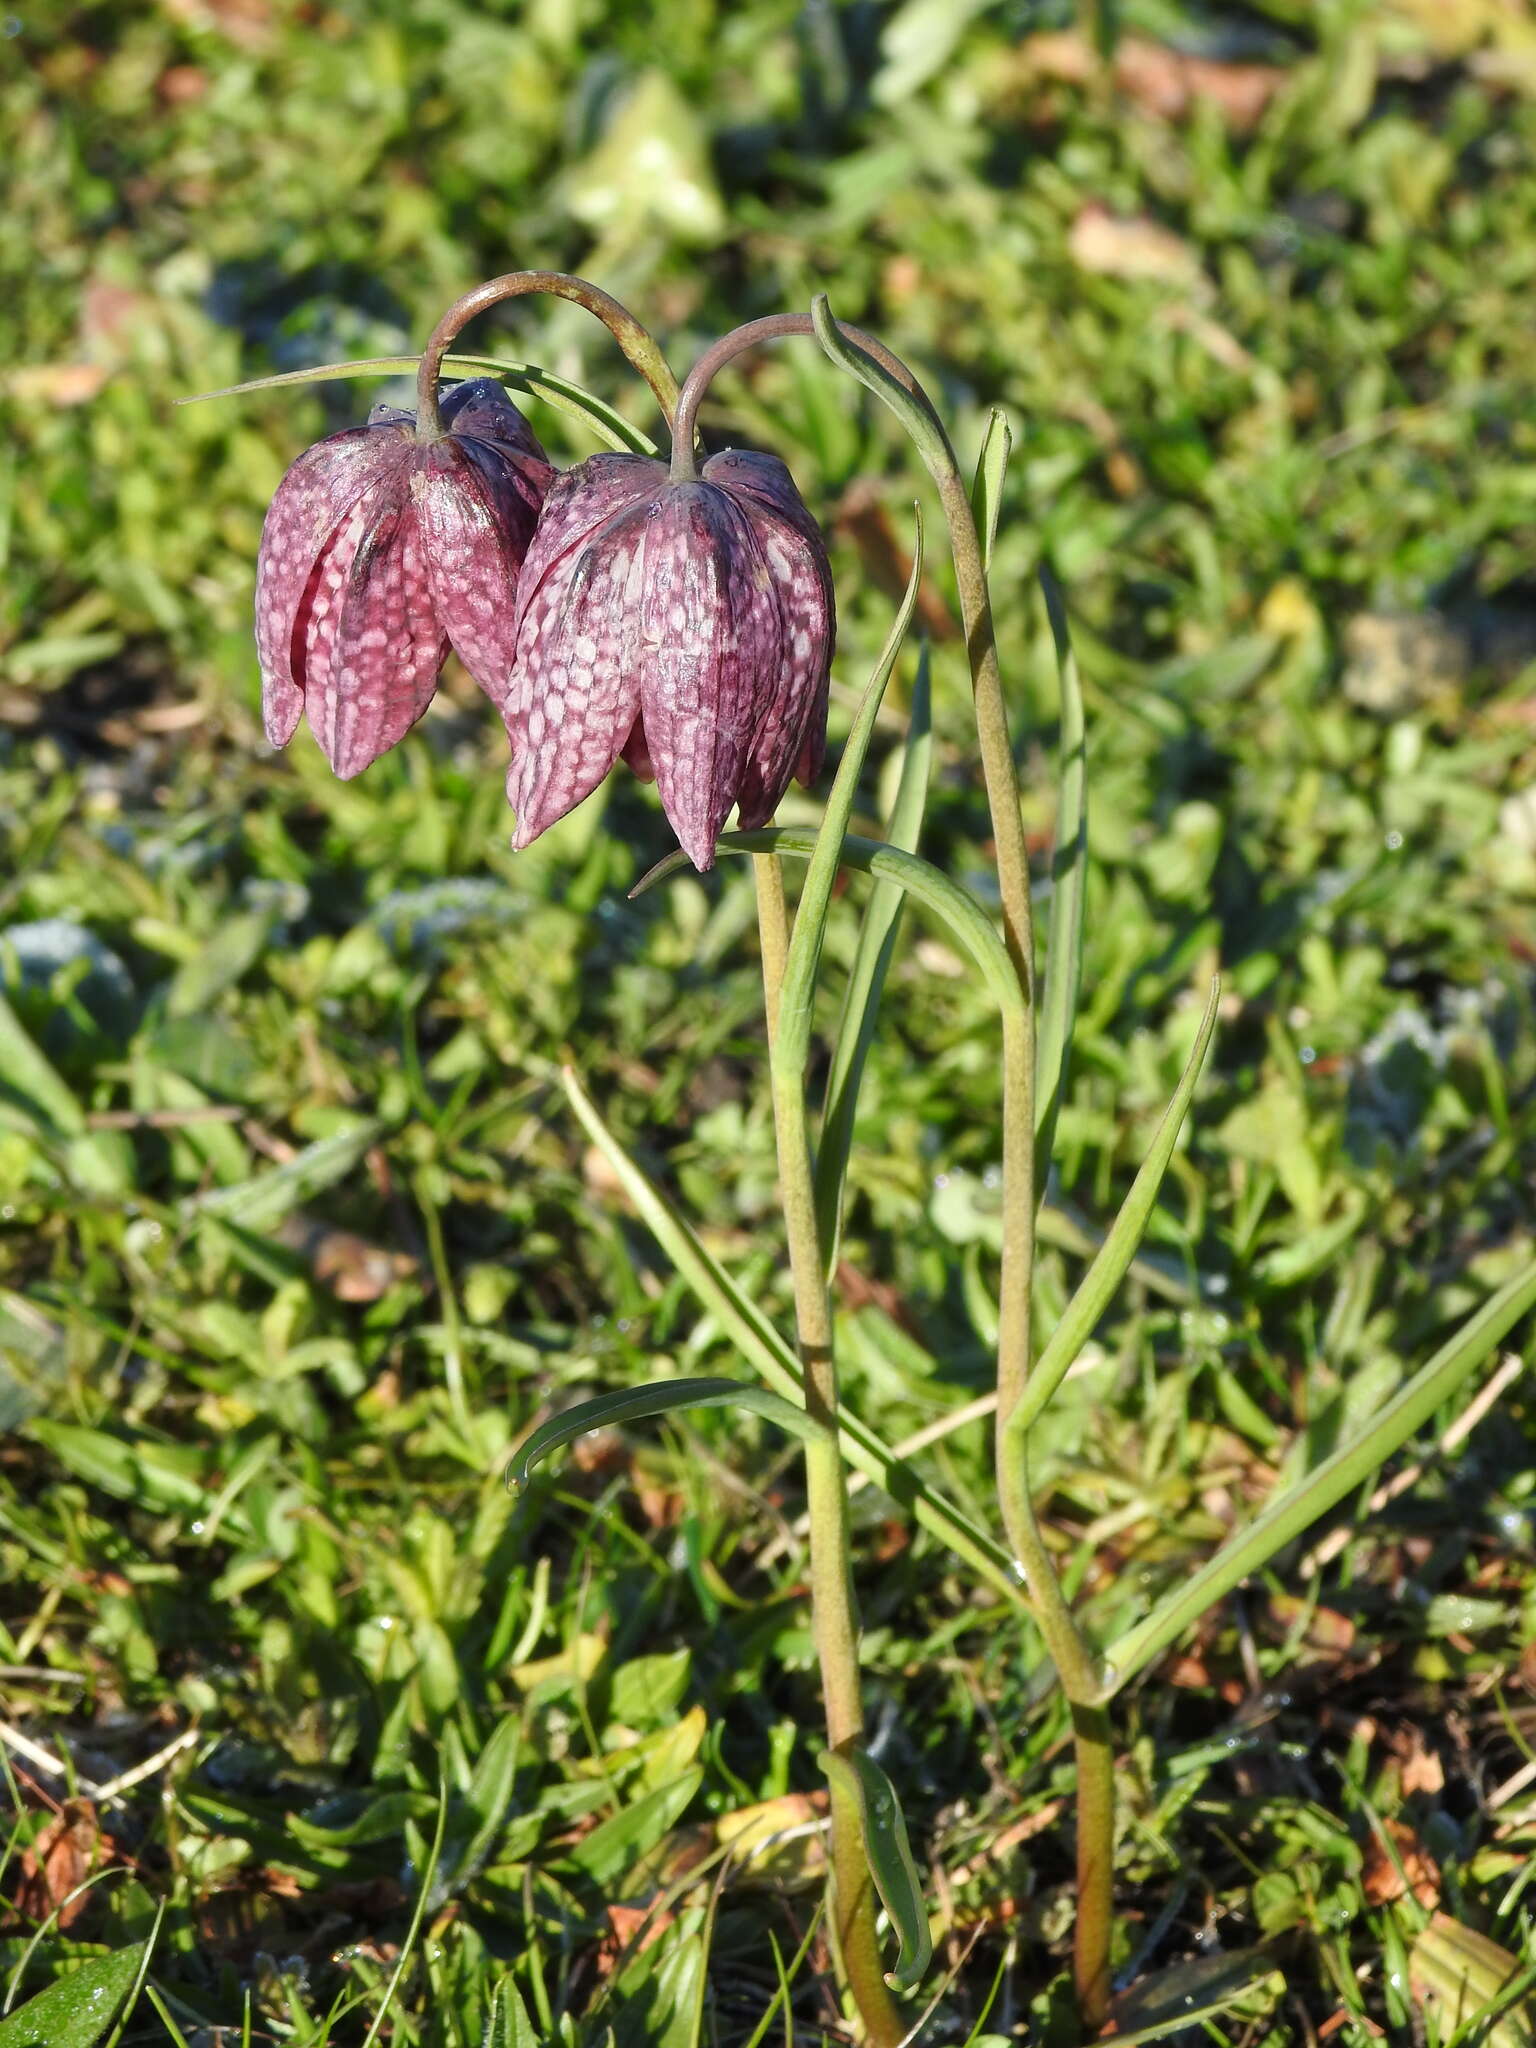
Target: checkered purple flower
[[685, 626], [382, 550]]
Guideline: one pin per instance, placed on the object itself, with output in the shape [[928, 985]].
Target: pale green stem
[[834, 1618]]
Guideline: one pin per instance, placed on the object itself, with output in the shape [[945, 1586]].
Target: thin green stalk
[[834, 1619]]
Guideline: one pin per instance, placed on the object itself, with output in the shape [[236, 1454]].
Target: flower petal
[[791, 733], [311, 505], [711, 642], [576, 683], [387, 647], [475, 529]]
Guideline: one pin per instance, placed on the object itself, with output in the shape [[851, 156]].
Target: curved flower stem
[[636, 341], [1075, 1661], [834, 1618]]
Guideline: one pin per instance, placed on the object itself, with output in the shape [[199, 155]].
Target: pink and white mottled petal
[[791, 733], [387, 647], [710, 634], [749, 474], [312, 501], [576, 681], [474, 539], [579, 502]]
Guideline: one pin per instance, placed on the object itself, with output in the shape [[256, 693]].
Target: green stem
[[637, 343], [834, 1618]]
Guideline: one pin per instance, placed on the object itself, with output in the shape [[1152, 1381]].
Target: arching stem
[[636, 341]]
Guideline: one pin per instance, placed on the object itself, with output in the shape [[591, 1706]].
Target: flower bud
[[686, 626], [380, 550]]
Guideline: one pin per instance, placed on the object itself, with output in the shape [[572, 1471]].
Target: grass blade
[[1301, 1505], [987, 487], [797, 998], [1119, 1248], [660, 1397], [766, 1351], [860, 1778], [526, 378], [1069, 877], [871, 963]]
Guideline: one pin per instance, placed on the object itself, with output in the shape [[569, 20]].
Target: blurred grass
[[281, 1138]]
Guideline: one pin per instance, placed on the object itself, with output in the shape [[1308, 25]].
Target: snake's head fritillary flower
[[384, 547], [685, 625]]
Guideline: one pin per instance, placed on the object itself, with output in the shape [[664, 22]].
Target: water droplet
[[11, 26], [1394, 841], [1307, 1054], [941, 1180], [198, 1526]]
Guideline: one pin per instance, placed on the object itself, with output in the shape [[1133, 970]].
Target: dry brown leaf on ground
[[1387, 1876], [1132, 247]]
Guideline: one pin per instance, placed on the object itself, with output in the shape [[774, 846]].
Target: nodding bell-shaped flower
[[685, 625], [381, 549]]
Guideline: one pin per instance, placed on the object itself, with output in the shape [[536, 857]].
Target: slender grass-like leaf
[[954, 907], [527, 378], [1119, 1248], [425, 1884], [797, 997], [1301, 1505], [1069, 878], [660, 1397], [260, 1203], [913, 408], [871, 963], [768, 1353], [861, 1779], [987, 486], [77, 2011]]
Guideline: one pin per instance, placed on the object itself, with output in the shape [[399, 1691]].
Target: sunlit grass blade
[[797, 997], [860, 1778], [77, 2011], [955, 908], [1119, 1248], [527, 378], [1286, 1518], [987, 485], [660, 1397], [871, 963], [768, 1353], [1069, 878], [426, 1878]]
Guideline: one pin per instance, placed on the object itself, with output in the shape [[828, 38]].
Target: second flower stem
[[834, 1617]]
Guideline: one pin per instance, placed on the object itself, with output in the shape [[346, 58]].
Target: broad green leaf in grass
[[797, 998], [36, 1099], [1069, 876], [871, 963], [526, 378], [232, 951], [1468, 1982], [508, 2024], [660, 1397], [616, 1845], [1171, 2001], [767, 1352], [261, 1203], [77, 2011], [1119, 1248], [858, 1777], [1301, 1505], [987, 486]]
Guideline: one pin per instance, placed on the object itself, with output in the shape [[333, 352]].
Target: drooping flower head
[[381, 549], [686, 625]]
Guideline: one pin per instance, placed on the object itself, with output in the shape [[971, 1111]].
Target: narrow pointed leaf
[[661, 1397], [858, 1777], [1069, 876], [559, 392], [987, 487], [871, 964], [1350, 1466], [508, 2025], [260, 1203], [767, 1352], [77, 2011], [1119, 1248], [791, 1045], [954, 907]]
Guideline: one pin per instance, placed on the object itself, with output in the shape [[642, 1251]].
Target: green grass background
[[282, 1145]]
